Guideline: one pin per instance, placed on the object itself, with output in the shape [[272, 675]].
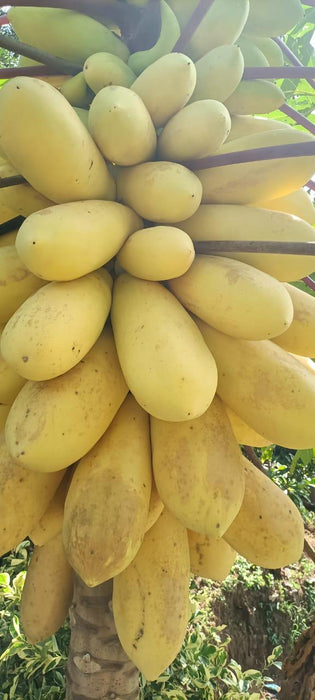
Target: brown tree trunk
[[98, 668], [299, 669]]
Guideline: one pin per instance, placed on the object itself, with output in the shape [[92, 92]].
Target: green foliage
[[294, 472]]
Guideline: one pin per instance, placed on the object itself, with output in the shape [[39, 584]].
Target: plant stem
[[298, 118], [292, 150], [292, 57], [309, 283], [193, 24], [10, 225], [30, 71], [311, 185], [12, 180], [59, 64], [273, 247], [4, 20], [277, 72]]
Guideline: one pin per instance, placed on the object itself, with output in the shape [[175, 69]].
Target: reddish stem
[[292, 58], [270, 247], [311, 185], [4, 20], [193, 24], [29, 71], [278, 72], [309, 283], [291, 150], [298, 118]]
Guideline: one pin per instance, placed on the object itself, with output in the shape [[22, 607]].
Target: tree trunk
[[98, 668], [299, 669]]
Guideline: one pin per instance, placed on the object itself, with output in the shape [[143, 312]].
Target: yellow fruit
[[218, 73], [197, 130], [168, 71], [47, 591], [24, 497], [121, 126], [160, 191], [300, 337], [244, 125], [270, 49], [83, 115], [63, 33], [23, 200], [4, 412], [253, 56], [157, 253], [155, 507], [298, 203], [10, 381], [210, 558], [198, 471], [244, 183], [8, 238], [243, 433], [56, 327], [103, 68], [273, 18], [266, 386], [150, 598], [17, 283], [169, 33], [50, 524], [164, 359], [235, 298], [76, 91], [52, 424], [107, 504], [268, 529], [70, 240], [232, 222], [255, 97], [47, 143]]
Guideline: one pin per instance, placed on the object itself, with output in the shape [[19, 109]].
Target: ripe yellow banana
[[269, 19], [269, 48], [244, 125], [218, 73], [252, 54], [17, 283], [210, 557], [300, 337], [157, 253], [298, 203], [76, 91], [50, 524], [104, 68], [170, 32], [255, 97], [243, 433]]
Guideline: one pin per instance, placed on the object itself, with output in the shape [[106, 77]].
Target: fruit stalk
[[216, 247], [292, 57], [309, 283], [292, 150], [30, 71], [12, 180], [277, 72], [59, 64], [298, 118], [192, 24]]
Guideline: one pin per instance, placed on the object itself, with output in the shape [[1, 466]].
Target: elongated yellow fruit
[[253, 56], [24, 497], [255, 96], [218, 73], [235, 298], [209, 557], [17, 283], [150, 598], [244, 183], [121, 126], [169, 70], [298, 203], [23, 200], [107, 504], [10, 381], [157, 253], [164, 359], [70, 240], [47, 591], [270, 49], [197, 130], [155, 506], [232, 222], [272, 19], [300, 337], [198, 471], [57, 326], [50, 524], [103, 68], [160, 191], [243, 433], [63, 33], [8, 238], [53, 424], [243, 125], [266, 386], [4, 412], [47, 143], [268, 529], [169, 34], [76, 91]]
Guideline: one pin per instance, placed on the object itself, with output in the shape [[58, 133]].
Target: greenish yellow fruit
[[24, 497], [150, 598], [83, 115], [8, 238], [57, 326], [64, 33], [121, 126], [70, 240], [255, 97], [266, 386], [103, 68], [232, 222], [243, 433], [218, 73], [169, 34], [268, 530], [198, 471], [270, 49], [209, 557], [272, 18], [155, 506], [107, 504], [245, 183], [52, 424], [48, 144], [47, 592], [253, 56], [298, 203], [157, 253], [76, 91], [169, 70], [4, 412], [10, 381], [235, 298], [17, 282], [50, 524], [300, 337], [243, 125], [23, 200], [164, 359], [196, 131], [160, 191]]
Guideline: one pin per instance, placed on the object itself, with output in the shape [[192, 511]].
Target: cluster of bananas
[[131, 368]]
